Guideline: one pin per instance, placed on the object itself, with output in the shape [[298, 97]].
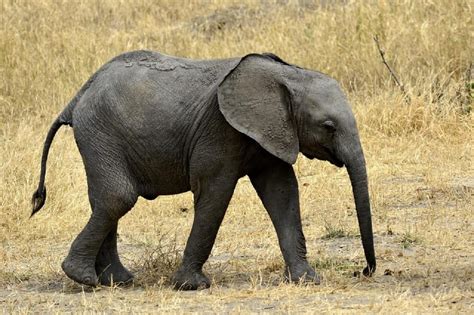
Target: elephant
[[148, 124]]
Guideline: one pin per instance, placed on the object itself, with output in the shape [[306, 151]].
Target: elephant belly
[[152, 190], [159, 172]]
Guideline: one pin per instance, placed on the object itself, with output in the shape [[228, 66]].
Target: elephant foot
[[80, 271], [190, 280], [114, 274], [302, 273]]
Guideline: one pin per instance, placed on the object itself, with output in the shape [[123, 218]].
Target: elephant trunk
[[356, 168]]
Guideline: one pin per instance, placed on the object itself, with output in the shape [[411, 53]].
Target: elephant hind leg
[[79, 264], [108, 266], [93, 256]]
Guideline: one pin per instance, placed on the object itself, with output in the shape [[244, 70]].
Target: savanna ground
[[418, 144]]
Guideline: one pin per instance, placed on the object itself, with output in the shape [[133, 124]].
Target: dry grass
[[420, 157]]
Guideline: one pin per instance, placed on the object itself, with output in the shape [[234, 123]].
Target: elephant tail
[[39, 196], [65, 118]]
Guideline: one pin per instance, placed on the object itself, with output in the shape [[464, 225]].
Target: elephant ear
[[255, 100]]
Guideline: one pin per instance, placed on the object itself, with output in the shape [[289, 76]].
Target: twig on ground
[[390, 70], [466, 105]]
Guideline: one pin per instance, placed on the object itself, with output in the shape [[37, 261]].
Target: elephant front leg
[[210, 203], [277, 187]]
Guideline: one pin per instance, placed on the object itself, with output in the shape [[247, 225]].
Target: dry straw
[[419, 154]]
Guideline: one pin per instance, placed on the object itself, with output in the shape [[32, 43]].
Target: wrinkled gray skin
[[147, 124]]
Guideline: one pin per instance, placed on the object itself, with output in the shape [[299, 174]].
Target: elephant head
[[287, 110]]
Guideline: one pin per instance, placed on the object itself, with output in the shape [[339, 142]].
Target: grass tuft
[[335, 232], [408, 239]]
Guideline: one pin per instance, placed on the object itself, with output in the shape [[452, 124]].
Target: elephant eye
[[329, 126]]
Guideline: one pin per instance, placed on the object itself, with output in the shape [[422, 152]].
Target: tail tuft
[[38, 199]]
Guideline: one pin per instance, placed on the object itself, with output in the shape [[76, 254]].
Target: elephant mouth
[[335, 161], [325, 155]]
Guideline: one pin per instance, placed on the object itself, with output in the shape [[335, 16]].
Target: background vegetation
[[418, 143]]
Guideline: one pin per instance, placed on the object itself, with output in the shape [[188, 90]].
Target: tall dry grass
[[419, 151]]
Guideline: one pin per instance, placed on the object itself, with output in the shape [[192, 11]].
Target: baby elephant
[[149, 124]]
